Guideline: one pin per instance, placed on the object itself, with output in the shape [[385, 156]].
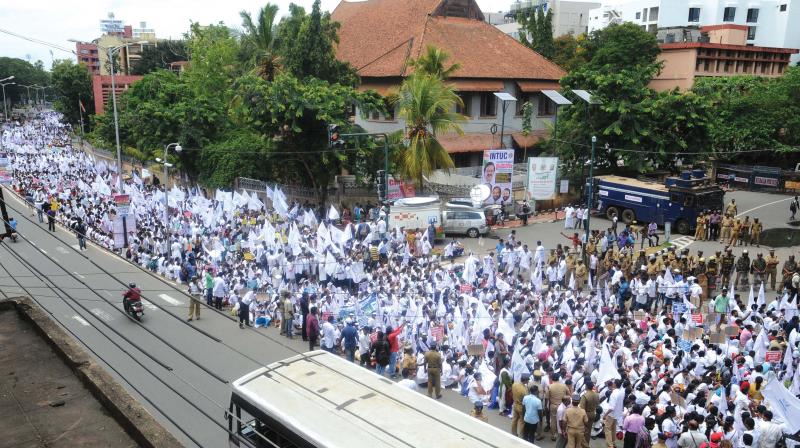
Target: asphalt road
[[214, 342], [236, 352]]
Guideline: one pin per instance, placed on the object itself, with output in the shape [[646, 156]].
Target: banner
[[5, 173], [542, 174], [123, 203], [399, 189], [498, 167]]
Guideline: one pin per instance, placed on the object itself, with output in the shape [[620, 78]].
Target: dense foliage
[[24, 73], [536, 31], [74, 84]]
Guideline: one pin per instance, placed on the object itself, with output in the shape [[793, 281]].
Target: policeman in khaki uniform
[[518, 391], [726, 267], [727, 223], [556, 392], [589, 402], [575, 420], [772, 268], [580, 275], [755, 232]]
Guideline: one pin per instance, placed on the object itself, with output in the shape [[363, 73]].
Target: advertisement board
[[498, 168], [542, 176], [399, 189], [123, 203], [5, 171]]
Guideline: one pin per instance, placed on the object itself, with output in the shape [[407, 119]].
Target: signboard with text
[[123, 203], [498, 168], [399, 189], [542, 176]]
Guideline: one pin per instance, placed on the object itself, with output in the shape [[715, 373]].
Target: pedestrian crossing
[[682, 242]]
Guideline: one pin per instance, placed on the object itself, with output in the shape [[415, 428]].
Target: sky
[[56, 21]]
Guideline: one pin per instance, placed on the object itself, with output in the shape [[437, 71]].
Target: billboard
[[498, 167], [542, 176], [399, 189]]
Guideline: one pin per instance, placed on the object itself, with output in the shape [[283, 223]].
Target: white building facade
[[769, 22], [569, 16]]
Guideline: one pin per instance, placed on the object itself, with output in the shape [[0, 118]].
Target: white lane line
[[55, 259], [81, 320], [149, 305], [43, 251], [33, 243], [763, 205], [61, 250], [102, 314], [79, 275], [170, 300]]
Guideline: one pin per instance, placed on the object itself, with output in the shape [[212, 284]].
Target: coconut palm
[[427, 105], [433, 62], [258, 42]]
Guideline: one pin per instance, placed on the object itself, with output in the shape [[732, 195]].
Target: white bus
[[319, 400]]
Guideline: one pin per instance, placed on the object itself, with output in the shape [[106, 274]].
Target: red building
[[101, 85], [87, 53]]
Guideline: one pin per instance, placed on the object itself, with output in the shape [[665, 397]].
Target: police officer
[[772, 268], [742, 270], [433, 366], [759, 268], [727, 266], [576, 421]]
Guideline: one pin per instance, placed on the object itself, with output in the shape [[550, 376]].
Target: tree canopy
[[536, 31], [160, 56], [24, 73], [73, 82]]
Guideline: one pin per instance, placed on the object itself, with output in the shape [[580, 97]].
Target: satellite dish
[[479, 193]]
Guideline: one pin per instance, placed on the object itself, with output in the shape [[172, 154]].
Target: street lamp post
[[505, 98], [590, 191], [166, 164], [5, 103], [111, 51], [29, 93]]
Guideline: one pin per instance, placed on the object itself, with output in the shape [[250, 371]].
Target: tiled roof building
[[379, 38]]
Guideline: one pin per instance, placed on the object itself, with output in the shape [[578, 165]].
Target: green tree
[[426, 104], [536, 31], [306, 46], [258, 42], [72, 84], [569, 52], [433, 63], [649, 129], [753, 113], [238, 153], [24, 73], [160, 56]]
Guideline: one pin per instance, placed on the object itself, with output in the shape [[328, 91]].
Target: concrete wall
[[678, 70]]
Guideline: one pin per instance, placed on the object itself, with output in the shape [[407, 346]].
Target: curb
[[126, 410]]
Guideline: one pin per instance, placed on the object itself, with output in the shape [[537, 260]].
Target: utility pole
[[590, 191]]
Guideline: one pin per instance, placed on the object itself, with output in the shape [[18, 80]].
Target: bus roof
[[334, 403]]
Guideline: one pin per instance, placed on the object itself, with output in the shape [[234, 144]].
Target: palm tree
[[426, 104], [259, 41], [433, 61]]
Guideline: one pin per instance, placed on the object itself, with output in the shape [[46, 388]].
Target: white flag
[[607, 370], [333, 215], [762, 300], [783, 405], [751, 300]]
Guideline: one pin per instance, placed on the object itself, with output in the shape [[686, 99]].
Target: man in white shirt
[[328, 341], [615, 413]]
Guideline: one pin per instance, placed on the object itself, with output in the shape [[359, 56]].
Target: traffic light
[[380, 184], [334, 137]]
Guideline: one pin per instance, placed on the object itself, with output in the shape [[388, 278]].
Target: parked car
[[470, 222]]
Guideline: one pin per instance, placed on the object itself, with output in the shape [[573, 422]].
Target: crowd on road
[[668, 349]]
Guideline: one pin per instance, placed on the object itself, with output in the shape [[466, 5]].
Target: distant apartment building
[[101, 87], [115, 33], [87, 53], [769, 23], [716, 50], [569, 16]]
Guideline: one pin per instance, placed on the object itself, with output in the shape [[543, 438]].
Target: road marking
[[33, 243], [43, 251], [170, 300], [79, 275], [76, 247], [149, 305], [55, 259], [61, 250], [102, 314], [763, 205], [108, 293], [81, 320], [682, 242]]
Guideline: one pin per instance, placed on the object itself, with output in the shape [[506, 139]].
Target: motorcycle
[[135, 309]]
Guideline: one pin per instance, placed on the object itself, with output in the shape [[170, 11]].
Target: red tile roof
[[378, 37], [469, 142], [476, 85], [537, 86]]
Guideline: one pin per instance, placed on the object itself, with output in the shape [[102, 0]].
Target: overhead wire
[[37, 41], [44, 281]]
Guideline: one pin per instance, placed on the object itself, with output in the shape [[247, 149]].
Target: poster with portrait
[[542, 175], [498, 167]]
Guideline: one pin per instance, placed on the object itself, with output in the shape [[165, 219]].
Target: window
[[751, 32], [752, 15], [644, 15], [729, 15], [694, 14], [84, 51], [652, 28], [389, 112], [466, 109], [653, 14], [638, 15], [546, 107], [783, 7], [488, 104]]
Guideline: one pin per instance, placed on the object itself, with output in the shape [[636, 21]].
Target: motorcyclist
[[133, 294]]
